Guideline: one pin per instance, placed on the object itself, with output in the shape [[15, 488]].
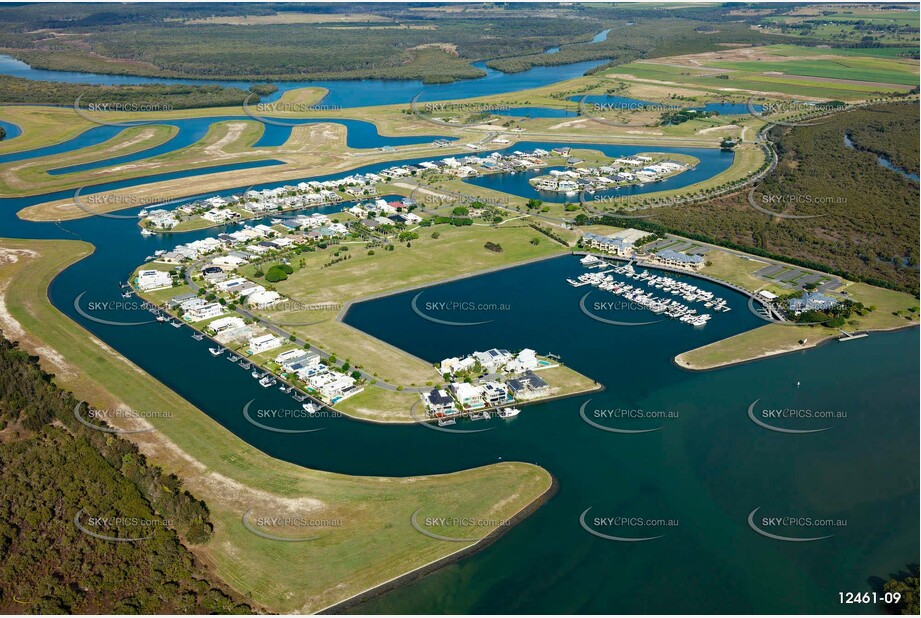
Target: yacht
[[216, 351], [311, 408], [266, 381], [508, 412]]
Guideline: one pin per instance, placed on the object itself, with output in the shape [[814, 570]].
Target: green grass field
[[375, 541], [855, 68]]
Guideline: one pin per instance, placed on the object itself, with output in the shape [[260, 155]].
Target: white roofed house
[[334, 387], [228, 323], [154, 280], [203, 312], [526, 360], [264, 343], [263, 299], [493, 359], [469, 395]]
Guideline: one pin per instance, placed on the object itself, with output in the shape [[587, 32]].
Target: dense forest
[[161, 97], [51, 467], [394, 41], [870, 214]]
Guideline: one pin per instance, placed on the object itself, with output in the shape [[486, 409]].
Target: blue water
[[12, 130], [538, 112], [342, 93], [712, 162]]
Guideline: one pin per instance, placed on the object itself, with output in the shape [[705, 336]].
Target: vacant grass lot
[[374, 542], [458, 251]]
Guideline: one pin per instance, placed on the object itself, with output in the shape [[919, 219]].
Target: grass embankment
[[375, 541]]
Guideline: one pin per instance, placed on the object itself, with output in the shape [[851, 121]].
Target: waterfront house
[[203, 312], [334, 387], [495, 394], [493, 359], [225, 324], [295, 360], [468, 395], [528, 386], [524, 361], [438, 402], [154, 280], [264, 343]]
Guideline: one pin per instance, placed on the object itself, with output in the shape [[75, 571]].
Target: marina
[[641, 295]]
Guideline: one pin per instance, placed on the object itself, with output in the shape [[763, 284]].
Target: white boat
[[588, 260], [266, 381], [255, 373], [216, 351], [508, 412], [311, 408], [146, 233], [162, 318]]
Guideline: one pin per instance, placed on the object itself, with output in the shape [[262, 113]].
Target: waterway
[[705, 469], [341, 93], [884, 162]]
